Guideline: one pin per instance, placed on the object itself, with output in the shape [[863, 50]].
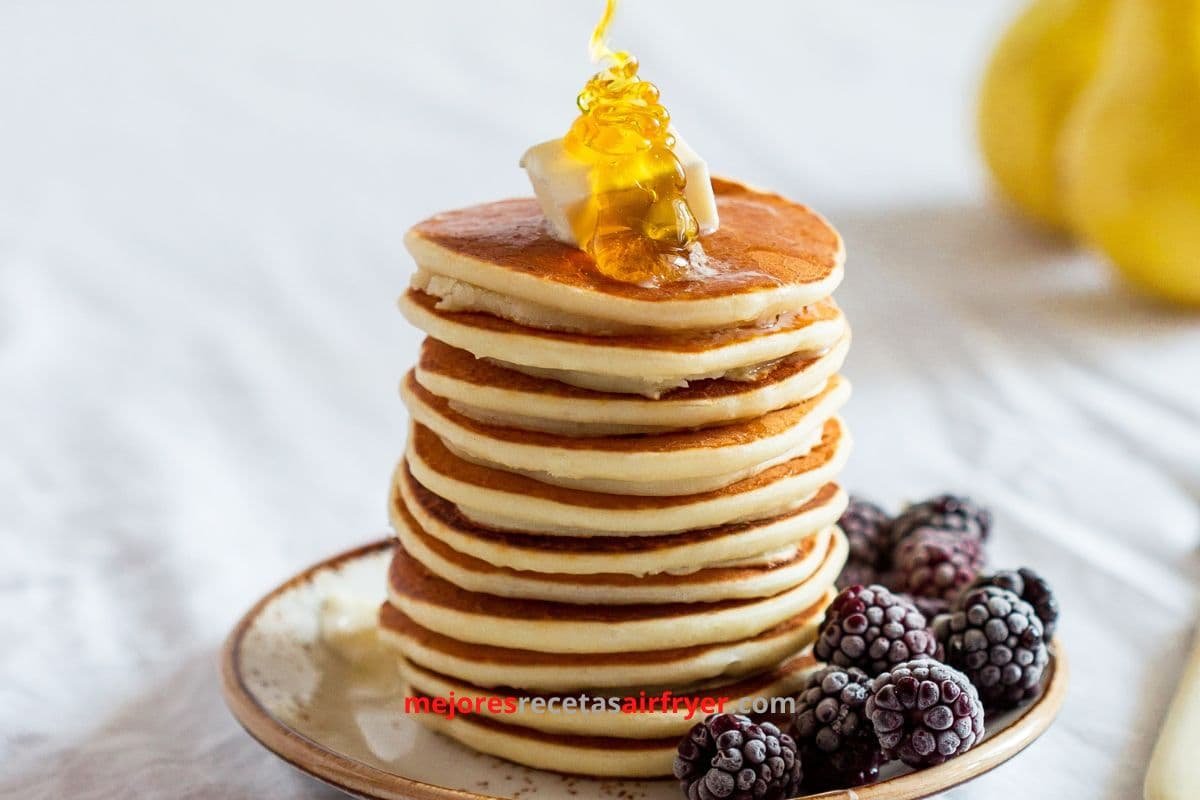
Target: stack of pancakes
[[612, 489]]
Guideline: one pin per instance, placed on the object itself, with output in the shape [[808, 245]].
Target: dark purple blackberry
[[996, 639], [945, 512], [729, 757], [1030, 587], [836, 741], [870, 628], [931, 607], [935, 564], [857, 573], [924, 712], [866, 526]]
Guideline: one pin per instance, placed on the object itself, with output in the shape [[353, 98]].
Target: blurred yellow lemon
[[1038, 70], [1130, 149]]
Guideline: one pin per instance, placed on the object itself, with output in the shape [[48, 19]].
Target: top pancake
[[770, 255]]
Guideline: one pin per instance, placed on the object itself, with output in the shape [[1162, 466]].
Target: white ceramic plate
[[341, 720]]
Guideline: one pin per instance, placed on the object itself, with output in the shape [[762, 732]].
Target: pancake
[[769, 256], [594, 756], [673, 463], [549, 627], [483, 665], [630, 555], [487, 392], [500, 499], [777, 573], [785, 679], [647, 364]]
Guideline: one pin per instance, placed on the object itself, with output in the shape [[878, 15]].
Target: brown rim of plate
[[351, 775]]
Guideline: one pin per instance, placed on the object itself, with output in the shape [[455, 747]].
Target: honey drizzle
[[636, 224]]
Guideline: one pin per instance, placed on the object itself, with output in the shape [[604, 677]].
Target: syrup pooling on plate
[[636, 225]]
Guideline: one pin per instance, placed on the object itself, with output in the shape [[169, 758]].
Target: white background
[[201, 210]]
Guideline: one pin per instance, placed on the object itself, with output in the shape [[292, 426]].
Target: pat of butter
[[562, 183], [349, 627]]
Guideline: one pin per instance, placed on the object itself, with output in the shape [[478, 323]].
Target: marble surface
[[201, 211]]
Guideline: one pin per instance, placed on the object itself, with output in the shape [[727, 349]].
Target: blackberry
[[855, 572], [729, 757], [867, 527], [924, 713], [935, 564], [946, 512], [931, 607], [870, 628], [1030, 587], [837, 743], [996, 639]]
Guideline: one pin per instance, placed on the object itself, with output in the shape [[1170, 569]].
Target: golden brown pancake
[[395, 620], [629, 554], [433, 452], [507, 500], [410, 579], [679, 342], [635, 363], [566, 628], [764, 241], [668, 463], [489, 665], [784, 679], [773, 574], [596, 756], [438, 359], [732, 435], [562, 745]]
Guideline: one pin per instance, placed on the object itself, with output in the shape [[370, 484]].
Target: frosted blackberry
[[729, 757], [935, 564], [866, 526], [931, 607], [857, 573], [1030, 587], [836, 741], [872, 629], [924, 713], [997, 640], [945, 512]]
